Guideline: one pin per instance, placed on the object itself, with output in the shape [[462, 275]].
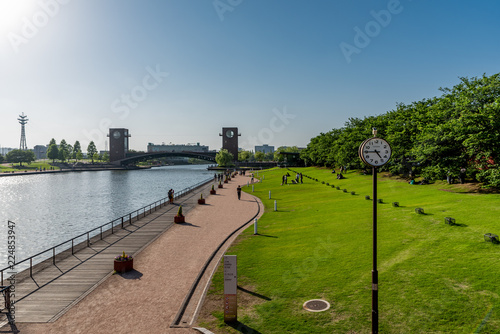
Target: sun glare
[[12, 13]]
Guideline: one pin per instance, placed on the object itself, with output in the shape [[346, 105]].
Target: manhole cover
[[316, 305]]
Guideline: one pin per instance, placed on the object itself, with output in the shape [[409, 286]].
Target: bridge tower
[[230, 141], [118, 143]]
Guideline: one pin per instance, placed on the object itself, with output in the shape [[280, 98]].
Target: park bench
[[420, 211], [493, 238], [450, 221]]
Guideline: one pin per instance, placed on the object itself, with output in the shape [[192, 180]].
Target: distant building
[[40, 151], [264, 149], [5, 150], [177, 148]]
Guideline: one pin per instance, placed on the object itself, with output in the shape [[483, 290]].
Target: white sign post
[[230, 288]]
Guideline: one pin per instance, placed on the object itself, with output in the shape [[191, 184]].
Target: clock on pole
[[375, 152]]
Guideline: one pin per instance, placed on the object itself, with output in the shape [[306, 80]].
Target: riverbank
[[71, 169]]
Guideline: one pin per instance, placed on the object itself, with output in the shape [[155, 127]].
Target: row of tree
[[65, 151], [434, 138], [224, 158]]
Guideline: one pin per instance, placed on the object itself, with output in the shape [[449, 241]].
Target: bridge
[[119, 144], [131, 158]]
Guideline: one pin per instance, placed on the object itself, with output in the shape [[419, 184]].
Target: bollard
[[263, 177], [252, 188], [255, 227], [269, 194], [248, 183], [275, 205]]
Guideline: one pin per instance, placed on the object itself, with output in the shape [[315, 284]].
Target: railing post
[[72, 244], [31, 267], [2, 277], [88, 239], [122, 221], [101, 232], [7, 299], [130, 218], [54, 255]]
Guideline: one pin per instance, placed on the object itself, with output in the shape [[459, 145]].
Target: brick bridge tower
[[118, 143], [230, 141]]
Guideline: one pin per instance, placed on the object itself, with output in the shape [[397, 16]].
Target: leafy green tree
[[20, 156], [76, 148], [1, 158], [79, 155], [63, 150], [105, 157], [92, 151], [53, 151], [259, 156], [224, 158], [244, 155]]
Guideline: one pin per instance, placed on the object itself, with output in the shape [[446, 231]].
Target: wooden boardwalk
[[55, 289]]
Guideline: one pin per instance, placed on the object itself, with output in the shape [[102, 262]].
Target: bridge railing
[[99, 231]]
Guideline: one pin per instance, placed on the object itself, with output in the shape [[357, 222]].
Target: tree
[[20, 156], [76, 148], [79, 155], [63, 150], [53, 151], [244, 155], [91, 151], [224, 158], [1, 158], [259, 156]]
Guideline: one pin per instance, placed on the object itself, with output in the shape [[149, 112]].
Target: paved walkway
[[148, 299]]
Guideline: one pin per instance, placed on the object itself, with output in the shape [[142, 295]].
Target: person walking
[[238, 190]]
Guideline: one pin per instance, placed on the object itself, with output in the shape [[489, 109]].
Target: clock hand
[[377, 153]]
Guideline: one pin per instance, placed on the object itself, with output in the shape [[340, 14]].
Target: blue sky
[[282, 71]]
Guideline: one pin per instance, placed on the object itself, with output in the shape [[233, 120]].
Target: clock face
[[116, 134], [229, 133], [375, 152]]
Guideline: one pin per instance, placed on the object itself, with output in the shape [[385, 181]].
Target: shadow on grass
[[267, 236], [459, 225], [242, 328], [254, 293]]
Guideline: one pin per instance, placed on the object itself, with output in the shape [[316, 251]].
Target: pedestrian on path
[[238, 190]]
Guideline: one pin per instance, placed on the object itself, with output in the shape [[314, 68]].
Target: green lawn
[[7, 167], [433, 277]]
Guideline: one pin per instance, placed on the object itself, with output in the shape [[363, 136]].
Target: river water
[[48, 209]]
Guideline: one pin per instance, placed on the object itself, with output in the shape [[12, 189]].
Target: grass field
[[433, 277], [7, 167]]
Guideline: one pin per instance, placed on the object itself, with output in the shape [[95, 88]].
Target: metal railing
[[128, 218]]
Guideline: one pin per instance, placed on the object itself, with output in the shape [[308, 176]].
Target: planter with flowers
[[123, 263], [179, 218], [212, 191], [201, 200]]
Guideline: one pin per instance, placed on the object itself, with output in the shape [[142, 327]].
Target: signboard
[[230, 288]]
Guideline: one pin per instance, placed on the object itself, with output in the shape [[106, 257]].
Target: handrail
[[129, 216]]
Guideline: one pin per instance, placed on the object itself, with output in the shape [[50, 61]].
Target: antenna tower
[[23, 120]]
